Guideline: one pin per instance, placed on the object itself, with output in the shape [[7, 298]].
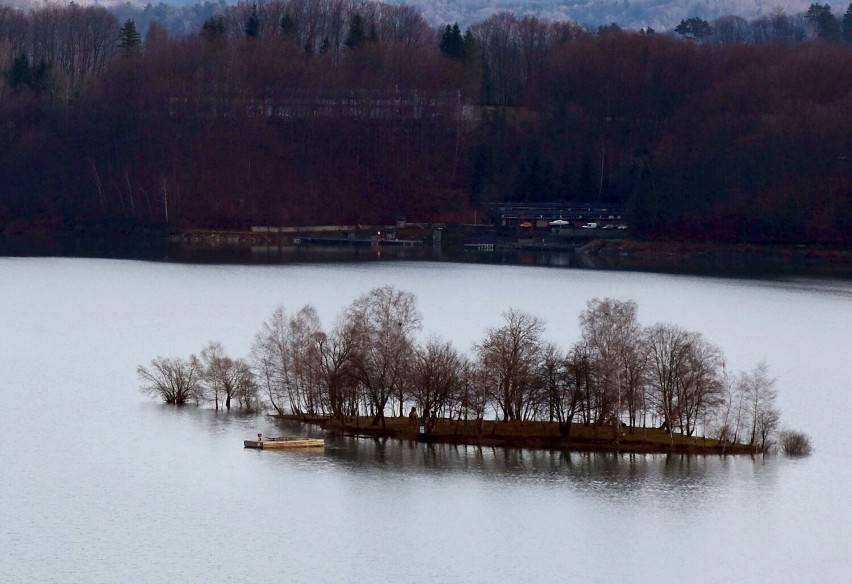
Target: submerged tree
[[177, 381], [795, 443], [758, 391], [226, 379]]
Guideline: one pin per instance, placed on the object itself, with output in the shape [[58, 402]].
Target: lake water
[[100, 484]]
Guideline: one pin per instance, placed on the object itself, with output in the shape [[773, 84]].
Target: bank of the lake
[[529, 434], [583, 249], [800, 259]]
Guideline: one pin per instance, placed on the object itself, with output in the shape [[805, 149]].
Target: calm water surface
[[99, 484]]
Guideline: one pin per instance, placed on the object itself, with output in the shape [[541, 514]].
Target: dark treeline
[[341, 111], [370, 363]]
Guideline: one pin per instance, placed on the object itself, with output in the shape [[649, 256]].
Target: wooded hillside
[[289, 113]]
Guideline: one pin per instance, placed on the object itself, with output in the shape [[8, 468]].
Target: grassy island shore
[[532, 434]]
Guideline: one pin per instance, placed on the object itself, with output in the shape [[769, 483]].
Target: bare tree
[[759, 394], [270, 359], [795, 443], [225, 379], [335, 367], [403, 25], [612, 334], [729, 416], [475, 393], [512, 355], [701, 389], [176, 381], [566, 380], [685, 375], [668, 347], [304, 358], [583, 381], [436, 378], [383, 323], [287, 360]]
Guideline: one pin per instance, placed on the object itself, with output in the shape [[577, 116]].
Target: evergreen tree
[[129, 39], [213, 28], [24, 75], [694, 28], [452, 44], [847, 25], [253, 24], [470, 48], [20, 74], [356, 35], [289, 27], [611, 28], [823, 22]]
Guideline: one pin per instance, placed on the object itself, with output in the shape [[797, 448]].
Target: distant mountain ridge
[[633, 14]]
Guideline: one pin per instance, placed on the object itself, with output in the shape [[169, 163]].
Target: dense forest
[[341, 111]]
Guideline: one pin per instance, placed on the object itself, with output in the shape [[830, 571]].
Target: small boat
[[282, 442]]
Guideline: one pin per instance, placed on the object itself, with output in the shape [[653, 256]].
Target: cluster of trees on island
[[344, 111], [371, 363]]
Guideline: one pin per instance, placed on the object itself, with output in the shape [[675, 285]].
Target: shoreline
[[243, 247], [811, 256], [529, 435]]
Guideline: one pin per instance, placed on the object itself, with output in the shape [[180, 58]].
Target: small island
[[621, 387], [531, 434]]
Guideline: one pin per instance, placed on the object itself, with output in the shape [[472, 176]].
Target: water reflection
[[716, 264], [688, 479], [676, 480]]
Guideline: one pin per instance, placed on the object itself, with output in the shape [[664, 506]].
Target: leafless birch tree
[[613, 336]]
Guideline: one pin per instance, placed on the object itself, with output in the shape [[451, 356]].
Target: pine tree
[[356, 34], [129, 39], [822, 20], [694, 27], [289, 28], [20, 74], [847, 25], [213, 28], [452, 44], [253, 24]]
